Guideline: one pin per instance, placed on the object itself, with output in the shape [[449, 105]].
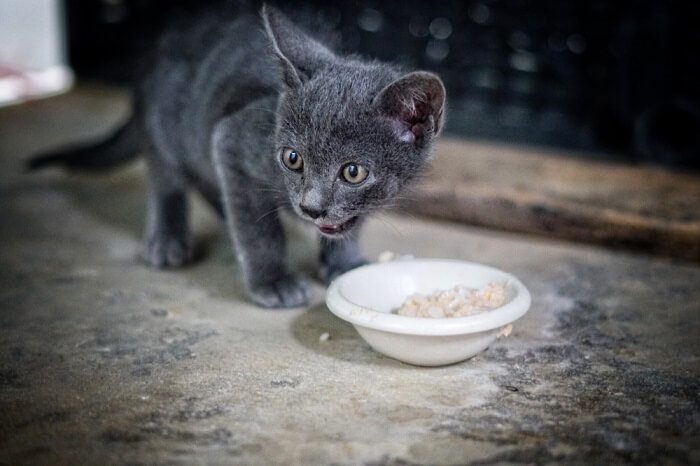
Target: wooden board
[[526, 190]]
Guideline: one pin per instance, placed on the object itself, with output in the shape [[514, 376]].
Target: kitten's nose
[[311, 211]]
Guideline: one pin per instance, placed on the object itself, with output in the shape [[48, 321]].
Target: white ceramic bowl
[[365, 297]]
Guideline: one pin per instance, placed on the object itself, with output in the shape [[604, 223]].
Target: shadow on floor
[[343, 343]]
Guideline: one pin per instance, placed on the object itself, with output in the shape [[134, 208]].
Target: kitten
[[259, 119]]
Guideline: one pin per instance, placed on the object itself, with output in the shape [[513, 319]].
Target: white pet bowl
[[365, 297]]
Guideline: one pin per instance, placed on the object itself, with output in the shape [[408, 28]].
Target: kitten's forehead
[[334, 107], [348, 87]]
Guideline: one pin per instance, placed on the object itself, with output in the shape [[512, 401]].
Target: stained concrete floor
[[106, 361]]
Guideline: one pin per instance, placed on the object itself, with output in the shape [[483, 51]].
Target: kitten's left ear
[[414, 105], [300, 55]]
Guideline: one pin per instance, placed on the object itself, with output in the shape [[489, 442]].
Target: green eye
[[292, 159], [353, 173]]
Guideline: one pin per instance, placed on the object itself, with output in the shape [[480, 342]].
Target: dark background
[[618, 79]]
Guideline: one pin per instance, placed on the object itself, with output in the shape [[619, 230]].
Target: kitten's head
[[350, 133]]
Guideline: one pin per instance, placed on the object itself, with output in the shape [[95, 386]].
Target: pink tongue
[[329, 228]]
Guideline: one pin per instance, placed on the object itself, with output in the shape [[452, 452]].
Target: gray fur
[[220, 106]]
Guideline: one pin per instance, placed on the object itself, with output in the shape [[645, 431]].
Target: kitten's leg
[[339, 256], [168, 240], [256, 230], [259, 240]]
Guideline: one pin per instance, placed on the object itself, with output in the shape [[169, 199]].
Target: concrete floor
[[106, 361]]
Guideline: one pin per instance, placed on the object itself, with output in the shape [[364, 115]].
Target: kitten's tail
[[121, 146]]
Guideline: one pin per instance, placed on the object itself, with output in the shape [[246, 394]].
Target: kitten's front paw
[[289, 291], [165, 250]]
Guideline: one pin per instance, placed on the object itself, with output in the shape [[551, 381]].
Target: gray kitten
[[259, 120]]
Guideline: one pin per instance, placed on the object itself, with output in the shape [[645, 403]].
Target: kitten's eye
[[353, 173], [292, 159]]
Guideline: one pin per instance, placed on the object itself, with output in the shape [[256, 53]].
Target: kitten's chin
[[336, 230]]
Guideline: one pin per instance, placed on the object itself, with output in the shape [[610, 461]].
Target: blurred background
[[618, 79]]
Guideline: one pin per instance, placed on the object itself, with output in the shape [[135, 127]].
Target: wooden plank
[[532, 191]]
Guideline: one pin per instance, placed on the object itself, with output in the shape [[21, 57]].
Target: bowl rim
[[394, 323]]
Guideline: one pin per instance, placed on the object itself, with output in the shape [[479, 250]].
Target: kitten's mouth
[[335, 229]]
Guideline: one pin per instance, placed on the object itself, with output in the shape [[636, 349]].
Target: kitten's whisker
[[269, 190], [382, 218], [270, 212], [263, 109]]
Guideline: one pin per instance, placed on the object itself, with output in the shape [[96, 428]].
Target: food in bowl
[[458, 301], [366, 297]]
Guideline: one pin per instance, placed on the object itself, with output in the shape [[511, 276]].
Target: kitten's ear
[[414, 105], [300, 55]]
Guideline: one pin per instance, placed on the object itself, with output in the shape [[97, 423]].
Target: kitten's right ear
[[300, 55]]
